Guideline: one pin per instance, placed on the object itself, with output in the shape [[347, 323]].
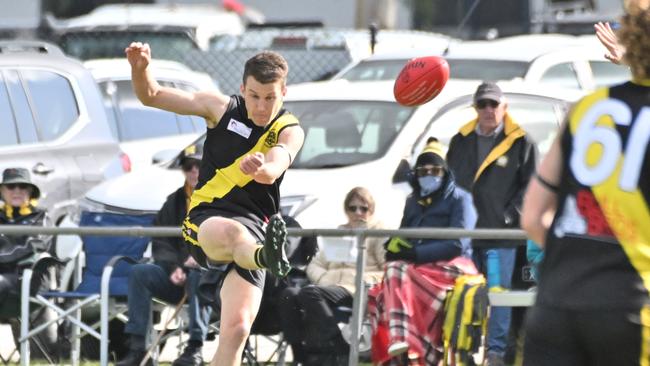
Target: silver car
[[53, 122]]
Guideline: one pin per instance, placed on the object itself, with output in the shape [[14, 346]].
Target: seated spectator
[[173, 273], [308, 314], [17, 252], [419, 272], [18, 207]]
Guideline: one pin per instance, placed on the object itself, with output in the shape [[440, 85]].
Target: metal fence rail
[[511, 238]]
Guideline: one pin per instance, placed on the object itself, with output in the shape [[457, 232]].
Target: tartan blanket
[[409, 303]]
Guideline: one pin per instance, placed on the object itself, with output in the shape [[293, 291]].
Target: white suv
[[355, 135]]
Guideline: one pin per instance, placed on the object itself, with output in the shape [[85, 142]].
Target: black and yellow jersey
[[598, 246], [222, 185]]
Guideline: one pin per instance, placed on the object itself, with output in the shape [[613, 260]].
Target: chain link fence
[[224, 61]]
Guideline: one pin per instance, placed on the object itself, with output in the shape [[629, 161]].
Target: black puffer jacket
[[171, 252], [16, 248], [497, 185]]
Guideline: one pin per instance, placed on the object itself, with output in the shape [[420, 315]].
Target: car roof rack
[[28, 46], [288, 24]]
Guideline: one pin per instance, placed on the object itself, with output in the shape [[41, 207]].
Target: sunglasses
[[189, 165], [436, 171], [12, 186], [361, 209], [483, 103]]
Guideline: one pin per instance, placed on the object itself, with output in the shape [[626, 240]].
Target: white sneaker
[[398, 348]]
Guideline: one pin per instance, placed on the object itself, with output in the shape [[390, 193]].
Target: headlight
[[294, 205]]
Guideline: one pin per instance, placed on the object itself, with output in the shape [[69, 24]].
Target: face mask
[[429, 184]]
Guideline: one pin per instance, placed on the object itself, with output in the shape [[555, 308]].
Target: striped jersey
[[598, 246], [222, 185]]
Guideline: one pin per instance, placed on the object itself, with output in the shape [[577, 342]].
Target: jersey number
[[589, 133]]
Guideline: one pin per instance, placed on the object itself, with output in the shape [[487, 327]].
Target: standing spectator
[[492, 157], [173, 273], [595, 182], [308, 314], [419, 272]]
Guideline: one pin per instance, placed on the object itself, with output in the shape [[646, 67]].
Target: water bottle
[[493, 268]]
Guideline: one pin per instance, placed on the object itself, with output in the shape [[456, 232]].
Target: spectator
[[492, 157], [309, 320], [419, 272], [595, 182], [173, 273], [18, 206]]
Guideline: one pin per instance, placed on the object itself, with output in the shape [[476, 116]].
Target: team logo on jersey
[[239, 128], [271, 139]]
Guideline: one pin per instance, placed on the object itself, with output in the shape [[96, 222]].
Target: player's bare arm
[[210, 105], [540, 201], [267, 168]]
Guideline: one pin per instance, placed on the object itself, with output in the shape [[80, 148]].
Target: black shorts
[[191, 226], [563, 337]]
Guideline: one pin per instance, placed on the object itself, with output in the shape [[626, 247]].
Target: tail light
[[126, 162]]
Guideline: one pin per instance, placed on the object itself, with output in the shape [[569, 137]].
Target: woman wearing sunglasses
[[309, 317], [419, 272]]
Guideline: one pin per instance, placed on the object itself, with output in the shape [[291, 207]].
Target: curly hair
[[634, 35]]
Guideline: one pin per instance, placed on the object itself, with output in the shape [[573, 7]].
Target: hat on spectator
[[191, 155], [433, 154], [488, 90], [19, 176]]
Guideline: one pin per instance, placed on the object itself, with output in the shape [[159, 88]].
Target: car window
[[472, 69], [606, 73], [562, 75], [85, 45], [136, 121], [22, 112], [54, 102], [489, 70], [343, 133], [108, 89], [7, 124], [539, 117]]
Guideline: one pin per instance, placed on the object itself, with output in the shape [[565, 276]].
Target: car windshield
[[473, 69], [85, 45], [343, 133]]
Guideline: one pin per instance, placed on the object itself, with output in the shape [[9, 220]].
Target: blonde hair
[[634, 35], [362, 194]]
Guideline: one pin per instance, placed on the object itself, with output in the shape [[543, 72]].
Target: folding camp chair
[[103, 281]]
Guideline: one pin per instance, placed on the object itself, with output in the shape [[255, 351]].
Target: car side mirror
[[402, 172], [163, 156]]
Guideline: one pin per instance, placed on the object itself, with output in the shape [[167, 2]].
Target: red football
[[420, 80]]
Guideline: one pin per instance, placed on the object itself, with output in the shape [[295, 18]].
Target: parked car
[[148, 134], [53, 123], [102, 32], [355, 134], [559, 60]]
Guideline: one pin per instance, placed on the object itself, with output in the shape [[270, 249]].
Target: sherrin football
[[421, 80]]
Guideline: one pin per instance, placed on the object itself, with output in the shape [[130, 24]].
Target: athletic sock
[[259, 257]]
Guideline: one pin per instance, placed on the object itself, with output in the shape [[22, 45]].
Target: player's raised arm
[[267, 168], [210, 104]]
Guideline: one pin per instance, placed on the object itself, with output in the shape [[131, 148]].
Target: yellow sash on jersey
[[225, 179], [626, 213]]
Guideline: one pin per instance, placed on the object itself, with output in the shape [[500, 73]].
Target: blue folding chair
[[103, 280]]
